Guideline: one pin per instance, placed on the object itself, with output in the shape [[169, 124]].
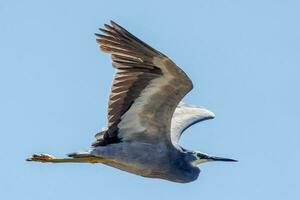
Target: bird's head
[[199, 157]]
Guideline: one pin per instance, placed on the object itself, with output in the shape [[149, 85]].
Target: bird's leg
[[51, 159]]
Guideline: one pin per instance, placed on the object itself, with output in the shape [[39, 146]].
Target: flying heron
[[145, 115]]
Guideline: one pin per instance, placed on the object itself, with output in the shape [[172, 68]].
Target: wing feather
[[145, 91], [185, 116]]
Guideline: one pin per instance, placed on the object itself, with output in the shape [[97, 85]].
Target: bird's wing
[[145, 91], [185, 116]]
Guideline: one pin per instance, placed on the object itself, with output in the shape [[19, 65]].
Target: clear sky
[[243, 58]]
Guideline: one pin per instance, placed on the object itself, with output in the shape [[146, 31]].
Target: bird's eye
[[202, 156]]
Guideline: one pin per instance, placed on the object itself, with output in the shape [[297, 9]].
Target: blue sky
[[243, 58]]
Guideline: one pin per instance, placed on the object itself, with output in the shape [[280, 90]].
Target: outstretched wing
[[185, 116], [145, 91]]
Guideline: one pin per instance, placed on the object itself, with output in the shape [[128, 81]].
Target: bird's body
[[145, 116], [149, 160]]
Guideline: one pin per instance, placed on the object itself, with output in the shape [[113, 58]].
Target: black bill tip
[[214, 158]]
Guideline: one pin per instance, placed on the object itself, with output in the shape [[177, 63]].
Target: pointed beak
[[214, 158]]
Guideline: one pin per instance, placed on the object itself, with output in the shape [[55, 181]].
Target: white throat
[[199, 161]]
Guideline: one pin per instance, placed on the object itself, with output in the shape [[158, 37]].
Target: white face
[[199, 161], [199, 158]]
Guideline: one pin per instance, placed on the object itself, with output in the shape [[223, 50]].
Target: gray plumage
[[145, 116]]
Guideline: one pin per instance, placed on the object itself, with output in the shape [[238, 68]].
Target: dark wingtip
[[113, 23]]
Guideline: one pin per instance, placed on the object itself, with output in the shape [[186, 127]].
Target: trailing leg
[[51, 159]]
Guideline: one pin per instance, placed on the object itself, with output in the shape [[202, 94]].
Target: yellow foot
[[41, 158]]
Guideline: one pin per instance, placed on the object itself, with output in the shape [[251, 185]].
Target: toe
[[40, 157]]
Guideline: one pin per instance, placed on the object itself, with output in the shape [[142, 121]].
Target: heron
[[146, 116]]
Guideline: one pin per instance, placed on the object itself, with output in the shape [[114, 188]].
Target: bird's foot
[[46, 158], [41, 158]]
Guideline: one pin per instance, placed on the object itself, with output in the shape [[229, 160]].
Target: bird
[[146, 116]]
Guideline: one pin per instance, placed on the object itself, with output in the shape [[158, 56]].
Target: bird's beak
[[203, 158], [214, 158]]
